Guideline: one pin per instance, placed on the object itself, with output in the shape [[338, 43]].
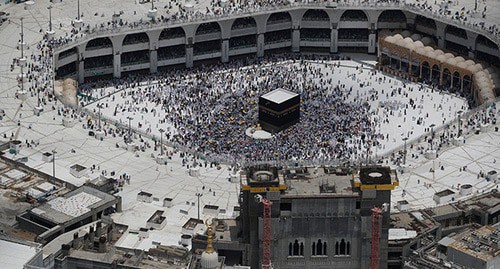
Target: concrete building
[[294, 28], [474, 248], [321, 217], [67, 212]]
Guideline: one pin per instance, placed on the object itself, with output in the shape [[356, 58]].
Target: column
[[296, 39], [225, 51], [153, 61], [189, 56], [372, 42], [334, 39], [440, 34], [260, 45], [81, 70], [117, 65]]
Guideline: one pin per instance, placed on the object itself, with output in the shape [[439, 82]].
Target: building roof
[[279, 96], [481, 243]]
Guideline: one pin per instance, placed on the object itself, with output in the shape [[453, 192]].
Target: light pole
[[432, 134], [198, 194], [161, 141], [54, 163], [129, 129], [99, 112], [50, 18], [404, 156], [78, 3], [459, 123]]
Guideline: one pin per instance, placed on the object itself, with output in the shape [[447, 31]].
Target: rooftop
[[482, 243], [279, 95]]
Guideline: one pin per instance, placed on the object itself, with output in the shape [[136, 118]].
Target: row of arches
[[319, 248], [246, 22]]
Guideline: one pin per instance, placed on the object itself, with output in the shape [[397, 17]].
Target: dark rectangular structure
[[278, 110]]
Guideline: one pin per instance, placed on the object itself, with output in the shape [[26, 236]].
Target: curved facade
[[318, 29]]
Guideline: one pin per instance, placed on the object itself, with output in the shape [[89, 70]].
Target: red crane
[[266, 231], [376, 216]]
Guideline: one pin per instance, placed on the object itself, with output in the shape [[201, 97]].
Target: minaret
[[209, 257]]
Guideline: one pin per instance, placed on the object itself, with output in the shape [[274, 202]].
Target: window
[[296, 248], [319, 248], [342, 248]]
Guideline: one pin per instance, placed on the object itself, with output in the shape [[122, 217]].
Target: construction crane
[[376, 217], [266, 231]]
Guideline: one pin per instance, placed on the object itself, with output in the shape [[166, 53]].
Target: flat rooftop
[[279, 96], [478, 243], [318, 183], [73, 204]]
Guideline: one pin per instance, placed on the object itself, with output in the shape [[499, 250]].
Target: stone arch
[[415, 67], [451, 29], [246, 22], [392, 16], [208, 27], [436, 73], [354, 15], [456, 80], [170, 33], [426, 70], [481, 39], [315, 15], [424, 21], [98, 43], [279, 17], [446, 80], [136, 38]]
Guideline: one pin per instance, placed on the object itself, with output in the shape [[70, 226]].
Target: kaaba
[[279, 110]]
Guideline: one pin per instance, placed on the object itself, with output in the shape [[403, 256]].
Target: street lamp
[[459, 123], [432, 133], [78, 3], [54, 163], [198, 194], [161, 141], [99, 114], [50, 18], [129, 129], [404, 156]]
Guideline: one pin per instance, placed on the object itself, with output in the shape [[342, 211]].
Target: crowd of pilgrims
[[208, 109]]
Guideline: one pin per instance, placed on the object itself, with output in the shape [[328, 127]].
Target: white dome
[[398, 36], [439, 52], [427, 48], [470, 62], [408, 40], [390, 39], [474, 68], [209, 260], [451, 61], [462, 65], [449, 55], [442, 58], [419, 44], [460, 59]]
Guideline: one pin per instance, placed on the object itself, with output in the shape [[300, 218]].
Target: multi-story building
[[320, 217]]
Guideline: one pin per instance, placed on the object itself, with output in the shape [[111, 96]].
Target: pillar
[[372, 42], [189, 56], [225, 51], [117, 65], [81, 70], [260, 45], [296, 39], [440, 34], [334, 39], [153, 61]]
